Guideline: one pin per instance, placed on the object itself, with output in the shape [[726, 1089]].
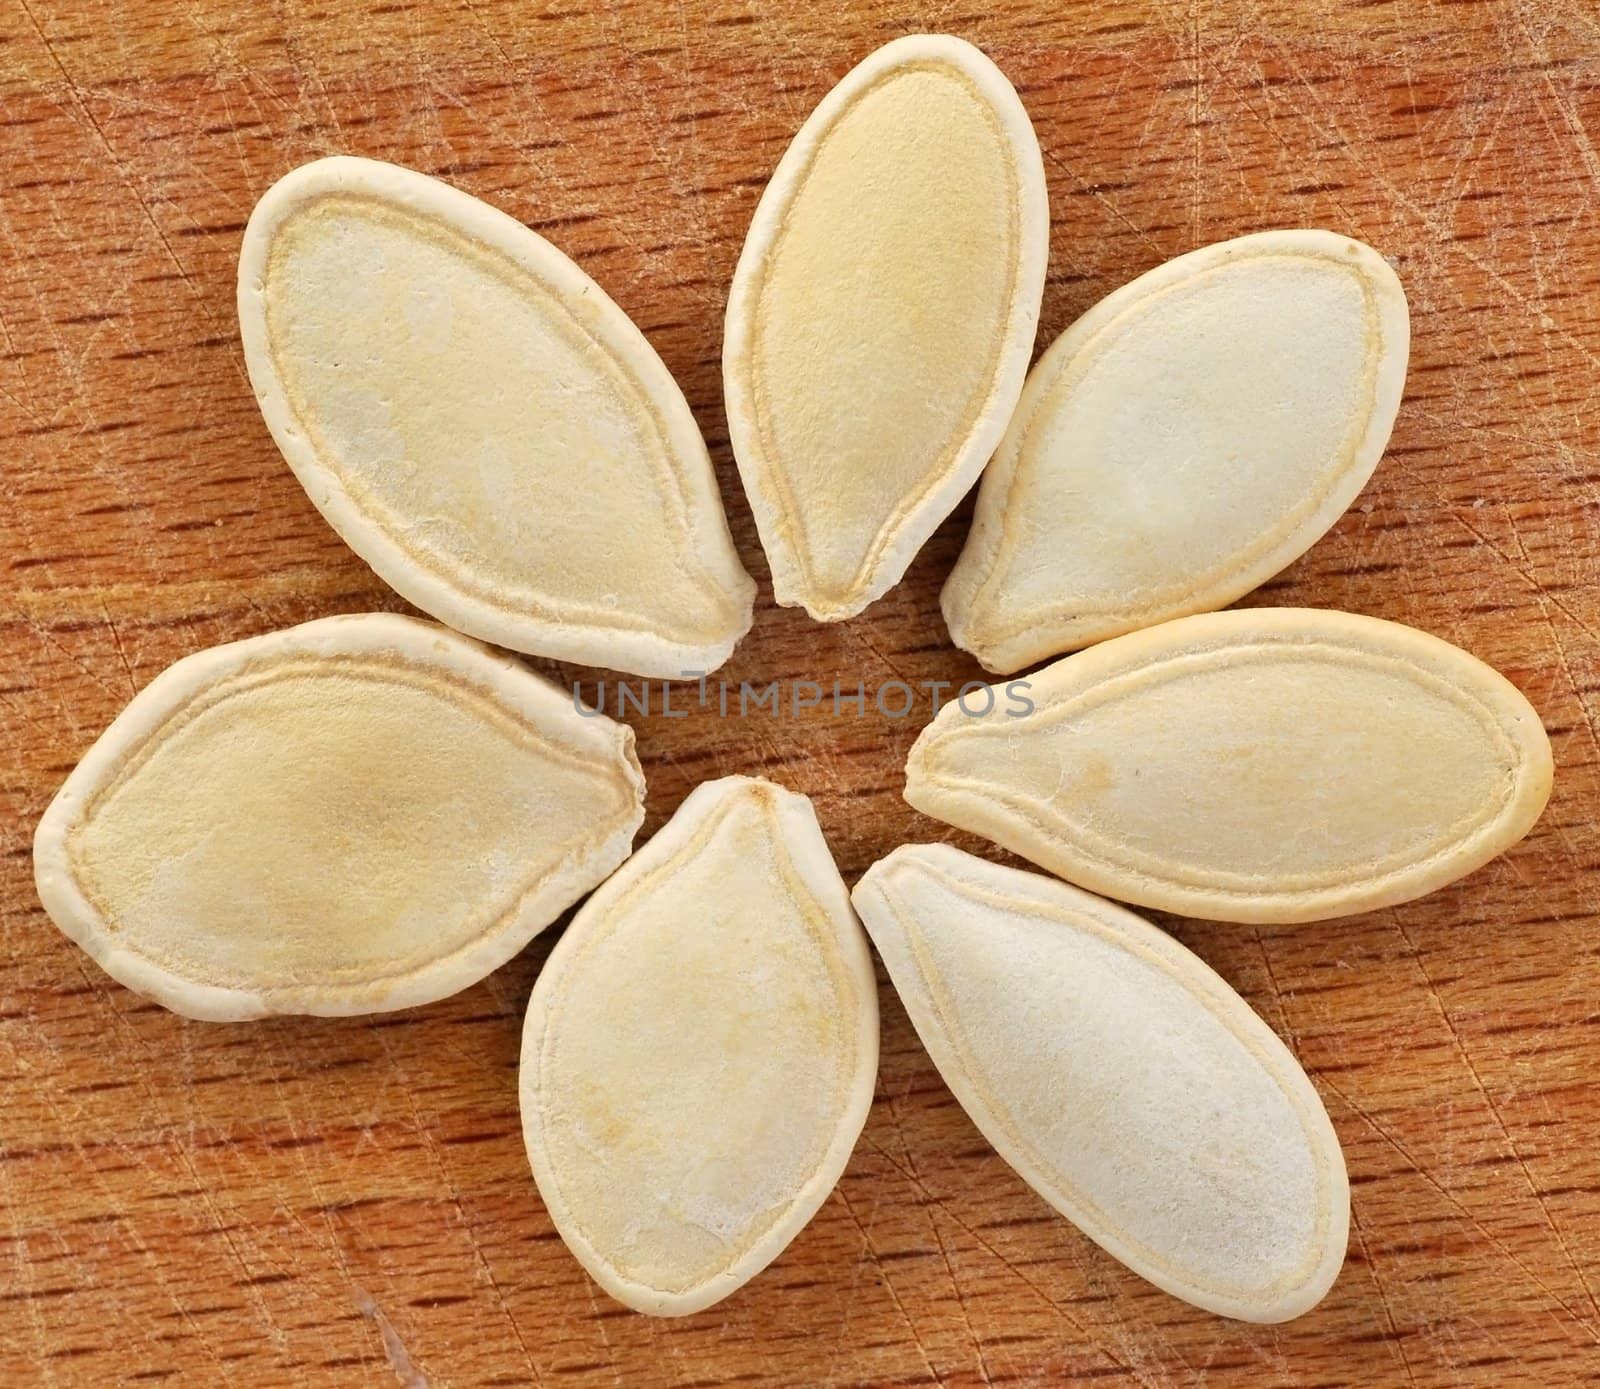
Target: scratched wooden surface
[[347, 1202]]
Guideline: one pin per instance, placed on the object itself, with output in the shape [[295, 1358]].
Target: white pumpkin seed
[[1121, 1077], [700, 1051], [354, 815], [882, 315], [1180, 443], [482, 425], [1268, 764]]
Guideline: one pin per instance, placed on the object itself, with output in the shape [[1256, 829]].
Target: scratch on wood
[[122, 654], [1396, 1338], [883, 1277], [219, 1226], [393, 1347], [1451, 1200], [1494, 1109], [1423, 215], [130, 1228], [127, 179], [424, 1131], [1563, 104], [929, 1208], [1058, 1307], [25, 1281]]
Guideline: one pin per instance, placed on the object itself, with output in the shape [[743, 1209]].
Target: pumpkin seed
[[482, 425], [700, 1051], [1268, 764], [1180, 443], [354, 815], [882, 315], [1122, 1079]]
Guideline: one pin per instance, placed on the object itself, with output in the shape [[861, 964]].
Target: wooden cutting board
[[347, 1202]]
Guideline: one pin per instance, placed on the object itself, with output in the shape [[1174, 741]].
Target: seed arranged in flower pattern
[[1266, 764], [353, 815], [700, 1051], [482, 425], [1126, 1082]]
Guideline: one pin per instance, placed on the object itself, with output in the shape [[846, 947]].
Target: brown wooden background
[[347, 1202]]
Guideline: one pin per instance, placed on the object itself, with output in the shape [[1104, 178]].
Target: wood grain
[[347, 1202]]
